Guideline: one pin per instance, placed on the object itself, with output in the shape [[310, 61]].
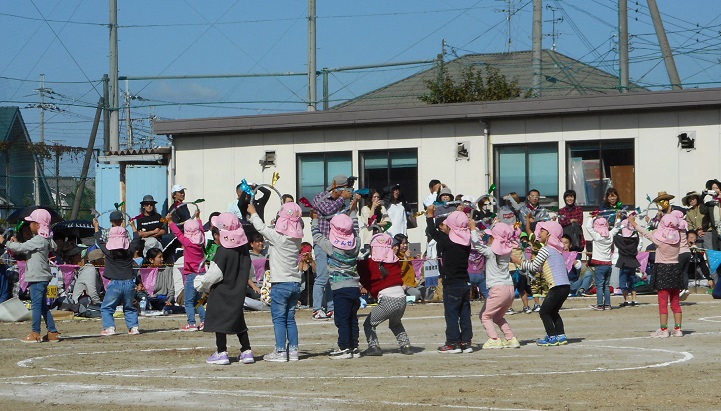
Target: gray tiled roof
[[561, 76]]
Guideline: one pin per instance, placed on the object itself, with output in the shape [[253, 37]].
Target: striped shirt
[[551, 264]]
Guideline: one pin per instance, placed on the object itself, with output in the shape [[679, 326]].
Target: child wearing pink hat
[[666, 278], [342, 248], [381, 275], [224, 308], [285, 277], [37, 273], [118, 252], [454, 247], [601, 258], [503, 240], [192, 238], [550, 263]]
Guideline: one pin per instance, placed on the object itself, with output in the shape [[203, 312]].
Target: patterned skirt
[[667, 276]]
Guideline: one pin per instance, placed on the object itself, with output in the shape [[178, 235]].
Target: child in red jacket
[[381, 276]]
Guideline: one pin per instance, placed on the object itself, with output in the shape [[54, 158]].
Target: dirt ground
[[610, 363]]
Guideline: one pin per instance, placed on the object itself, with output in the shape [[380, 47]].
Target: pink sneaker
[[660, 333], [189, 327], [677, 332], [201, 326]]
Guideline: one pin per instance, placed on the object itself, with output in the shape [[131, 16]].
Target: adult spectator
[[150, 225], [571, 219], [373, 217], [327, 204], [434, 186], [711, 240], [398, 209], [533, 208]]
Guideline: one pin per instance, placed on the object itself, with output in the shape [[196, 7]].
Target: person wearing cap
[[149, 222], [503, 239], [626, 243], [231, 268], [446, 202], [118, 254], [342, 247], [453, 240], [533, 208], [285, 277], [550, 263], [601, 258], [666, 278], [192, 239], [327, 204], [88, 281], [180, 211], [398, 209], [37, 272], [381, 275], [307, 268]]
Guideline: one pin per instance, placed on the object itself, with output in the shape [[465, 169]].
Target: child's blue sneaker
[[562, 340], [547, 341]]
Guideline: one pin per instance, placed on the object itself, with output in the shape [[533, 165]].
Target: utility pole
[[106, 114], [623, 44], [86, 164], [114, 143], [537, 47], [665, 47], [312, 81]]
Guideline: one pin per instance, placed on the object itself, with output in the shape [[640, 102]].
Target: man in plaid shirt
[[327, 203]]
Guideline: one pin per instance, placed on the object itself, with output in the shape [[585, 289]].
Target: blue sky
[[68, 42]]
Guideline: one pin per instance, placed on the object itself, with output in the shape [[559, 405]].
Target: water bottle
[[143, 305]]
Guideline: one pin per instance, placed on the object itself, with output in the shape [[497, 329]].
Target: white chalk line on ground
[[183, 394], [686, 356]]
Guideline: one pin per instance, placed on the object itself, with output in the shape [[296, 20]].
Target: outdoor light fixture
[[268, 159], [687, 140]]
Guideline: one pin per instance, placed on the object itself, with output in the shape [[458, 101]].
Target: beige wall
[[211, 166]]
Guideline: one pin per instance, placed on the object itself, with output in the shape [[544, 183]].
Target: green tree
[[472, 86]]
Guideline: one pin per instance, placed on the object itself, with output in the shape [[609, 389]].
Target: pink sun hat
[[118, 239], [341, 232], [600, 225], [667, 231], [382, 249], [504, 238], [458, 223], [555, 232], [289, 222], [42, 217], [231, 232], [682, 224], [193, 230]]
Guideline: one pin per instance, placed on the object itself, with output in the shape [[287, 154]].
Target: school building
[[641, 143]]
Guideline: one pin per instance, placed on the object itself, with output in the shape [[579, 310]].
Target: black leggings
[[552, 321], [221, 341], [684, 261]]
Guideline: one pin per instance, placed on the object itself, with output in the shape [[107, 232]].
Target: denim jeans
[[283, 300], [191, 298], [119, 291], [321, 285], [347, 303], [627, 279], [479, 280], [602, 278], [584, 281], [457, 311], [40, 307], [5, 284]]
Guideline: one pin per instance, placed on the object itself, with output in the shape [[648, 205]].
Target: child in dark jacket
[[454, 248], [381, 275]]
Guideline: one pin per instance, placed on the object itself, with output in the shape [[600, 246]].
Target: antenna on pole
[[554, 34], [510, 10]]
